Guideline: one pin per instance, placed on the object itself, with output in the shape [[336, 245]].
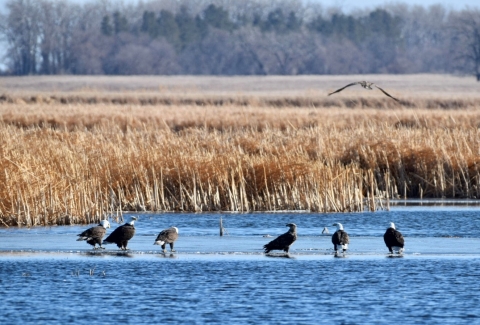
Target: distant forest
[[248, 37]]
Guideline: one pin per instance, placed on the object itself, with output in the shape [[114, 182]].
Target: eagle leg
[[171, 247]]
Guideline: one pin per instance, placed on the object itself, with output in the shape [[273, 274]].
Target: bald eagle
[[284, 241], [94, 235], [340, 238], [366, 85], [167, 236], [394, 239], [122, 234]]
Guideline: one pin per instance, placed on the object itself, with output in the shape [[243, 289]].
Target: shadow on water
[[394, 256], [279, 255], [109, 253], [165, 255], [123, 254]]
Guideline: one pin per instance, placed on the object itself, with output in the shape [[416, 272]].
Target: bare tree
[[466, 33], [57, 21], [132, 55], [22, 31]]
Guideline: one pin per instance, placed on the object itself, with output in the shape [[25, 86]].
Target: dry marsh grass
[[75, 162]]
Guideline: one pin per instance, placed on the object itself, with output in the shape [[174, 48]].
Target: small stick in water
[[221, 227]]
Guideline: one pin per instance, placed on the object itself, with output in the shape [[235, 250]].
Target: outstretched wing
[[383, 91], [339, 90]]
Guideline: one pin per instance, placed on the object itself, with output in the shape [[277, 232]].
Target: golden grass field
[[75, 149]]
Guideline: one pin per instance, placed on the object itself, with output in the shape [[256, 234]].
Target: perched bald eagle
[[284, 241], [122, 234], [340, 239], [94, 235], [167, 236], [394, 239]]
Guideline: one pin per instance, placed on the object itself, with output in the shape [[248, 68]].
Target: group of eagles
[[120, 236], [340, 240], [123, 234]]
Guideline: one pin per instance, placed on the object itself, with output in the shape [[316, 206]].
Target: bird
[[122, 234], [284, 241], [94, 235], [167, 236], [340, 239], [394, 239], [366, 85]]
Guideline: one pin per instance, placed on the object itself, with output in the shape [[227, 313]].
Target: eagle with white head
[[340, 239], [394, 240]]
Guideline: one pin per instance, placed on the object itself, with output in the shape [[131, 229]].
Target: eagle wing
[[399, 238], [339, 90], [340, 237], [122, 233], [383, 91], [94, 232], [393, 237], [345, 238], [168, 235], [281, 242]]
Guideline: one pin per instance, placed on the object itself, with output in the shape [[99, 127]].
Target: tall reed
[[99, 160]]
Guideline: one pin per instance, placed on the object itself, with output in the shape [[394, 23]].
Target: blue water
[[46, 277]]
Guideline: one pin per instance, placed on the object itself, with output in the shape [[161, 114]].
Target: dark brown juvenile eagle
[[94, 235], [284, 241], [122, 234], [167, 236], [366, 85], [340, 239], [394, 239]]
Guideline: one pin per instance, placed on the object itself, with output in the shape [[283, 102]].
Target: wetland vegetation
[[75, 149]]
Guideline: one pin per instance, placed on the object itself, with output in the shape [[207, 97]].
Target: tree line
[[220, 37]]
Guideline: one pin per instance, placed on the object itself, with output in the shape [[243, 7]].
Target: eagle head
[[338, 225], [132, 220], [105, 224]]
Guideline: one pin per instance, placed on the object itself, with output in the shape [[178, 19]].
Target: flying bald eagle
[[340, 239], [167, 236], [94, 235], [284, 241], [122, 234], [366, 85], [394, 239]]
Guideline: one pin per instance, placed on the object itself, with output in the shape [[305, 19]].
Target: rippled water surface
[[47, 277]]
